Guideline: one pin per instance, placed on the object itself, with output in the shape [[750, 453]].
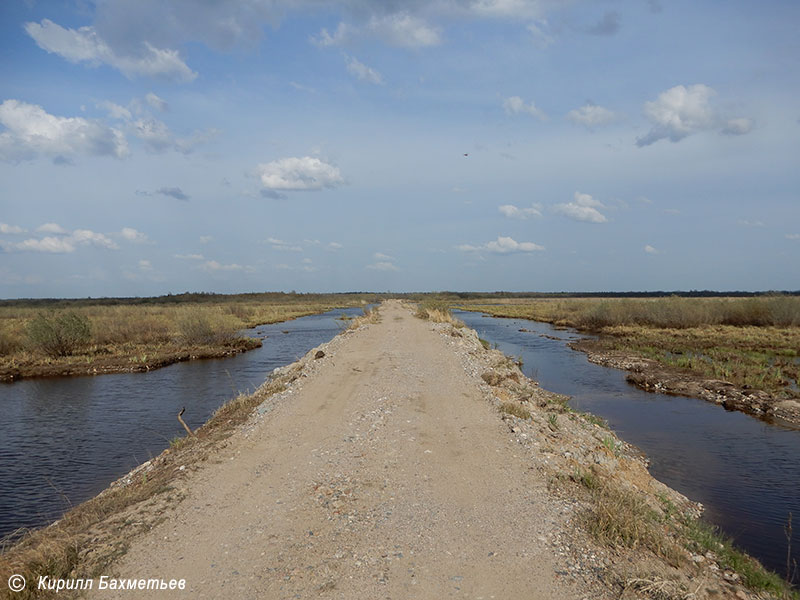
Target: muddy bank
[[138, 362], [651, 376]]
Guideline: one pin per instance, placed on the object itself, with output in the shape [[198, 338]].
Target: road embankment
[[401, 459]]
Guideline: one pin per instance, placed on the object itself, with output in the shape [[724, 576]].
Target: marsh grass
[[622, 518], [750, 342], [124, 331], [437, 311]]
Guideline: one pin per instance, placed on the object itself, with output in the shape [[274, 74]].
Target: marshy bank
[[51, 338], [743, 353]]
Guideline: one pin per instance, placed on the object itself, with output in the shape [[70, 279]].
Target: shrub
[[59, 335], [199, 327], [9, 342]]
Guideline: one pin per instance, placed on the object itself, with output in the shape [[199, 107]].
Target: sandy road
[[386, 475]]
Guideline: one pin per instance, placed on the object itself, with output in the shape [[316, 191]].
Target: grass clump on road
[[515, 410], [437, 311]]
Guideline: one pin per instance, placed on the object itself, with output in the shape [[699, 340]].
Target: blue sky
[[149, 147]]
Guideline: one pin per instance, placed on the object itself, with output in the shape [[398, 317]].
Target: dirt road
[[384, 475]]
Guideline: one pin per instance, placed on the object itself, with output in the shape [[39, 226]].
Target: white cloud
[[190, 256], [86, 45], [793, 236], [60, 245], [401, 29], [30, 131], [87, 237], [362, 72], [748, 223], [740, 126], [343, 34], [382, 256], [516, 105], [591, 116], [212, 266], [158, 103], [582, 208], [298, 174], [145, 265], [334, 246], [679, 112], [63, 244], [682, 111], [506, 9], [538, 30], [283, 246], [132, 235], [154, 133], [115, 111], [11, 229], [382, 266], [205, 239], [502, 245], [650, 249], [514, 212], [51, 228], [405, 30]]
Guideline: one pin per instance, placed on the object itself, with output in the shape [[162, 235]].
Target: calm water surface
[[63, 440], [746, 472]]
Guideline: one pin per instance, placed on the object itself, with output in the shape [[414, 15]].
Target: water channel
[[63, 440], [746, 472]]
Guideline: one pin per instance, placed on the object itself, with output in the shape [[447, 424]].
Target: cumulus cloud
[[382, 266], [145, 265], [334, 246], [401, 29], [362, 72], [63, 244], [516, 105], [298, 174], [650, 249], [591, 116], [31, 131], [10, 229], [132, 235], [793, 236], [86, 45], [51, 228], [682, 111], [382, 256], [582, 208], [502, 245], [514, 212], [740, 126]]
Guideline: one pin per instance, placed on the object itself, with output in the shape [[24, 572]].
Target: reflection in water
[[744, 471], [63, 440]]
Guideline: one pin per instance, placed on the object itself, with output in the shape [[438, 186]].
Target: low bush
[[59, 335]]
